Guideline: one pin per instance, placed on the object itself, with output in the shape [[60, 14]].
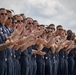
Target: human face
[[59, 29], [14, 24], [50, 32], [3, 16], [35, 25], [52, 27], [42, 27], [19, 20], [9, 19], [62, 33], [29, 23]]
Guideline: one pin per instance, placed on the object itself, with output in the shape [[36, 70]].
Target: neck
[[8, 26]]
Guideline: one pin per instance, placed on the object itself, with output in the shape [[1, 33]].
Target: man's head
[[19, 19], [10, 18], [42, 27], [29, 22], [52, 26], [24, 18], [59, 28], [3, 15], [35, 24]]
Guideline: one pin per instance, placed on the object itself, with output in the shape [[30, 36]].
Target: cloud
[[46, 11]]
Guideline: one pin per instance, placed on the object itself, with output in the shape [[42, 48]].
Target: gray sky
[[46, 11]]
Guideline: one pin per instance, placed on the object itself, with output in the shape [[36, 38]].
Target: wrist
[[5, 45]]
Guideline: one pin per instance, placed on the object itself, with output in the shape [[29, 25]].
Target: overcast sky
[[46, 11]]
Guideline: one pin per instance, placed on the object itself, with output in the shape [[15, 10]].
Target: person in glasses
[[58, 29], [24, 18], [29, 23], [71, 61], [3, 57], [42, 27], [69, 34], [19, 20], [63, 57], [8, 22], [35, 24], [52, 26], [14, 24], [10, 51], [5, 54]]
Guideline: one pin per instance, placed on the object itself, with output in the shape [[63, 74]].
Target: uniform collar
[[1, 25]]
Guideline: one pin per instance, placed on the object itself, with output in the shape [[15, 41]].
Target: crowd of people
[[30, 48]]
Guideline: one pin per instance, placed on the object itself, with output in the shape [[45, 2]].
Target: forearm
[[7, 44], [51, 42], [29, 43], [34, 51], [42, 41], [15, 34], [24, 40], [3, 46]]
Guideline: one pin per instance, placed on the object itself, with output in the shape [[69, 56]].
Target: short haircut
[[51, 25], [22, 14], [34, 20], [42, 25], [47, 27], [2, 9], [29, 18], [8, 11], [59, 26], [17, 15]]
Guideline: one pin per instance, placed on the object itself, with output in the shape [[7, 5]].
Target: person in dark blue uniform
[[54, 61], [3, 58], [10, 63], [40, 65], [33, 60], [71, 62], [17, 66], [3, 38], [25, 59], [24, 62], [48, 61]]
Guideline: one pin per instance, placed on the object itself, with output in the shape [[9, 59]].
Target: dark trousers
[[3, 67], [70, 65], [54, 66], [34, 65], [40, 66], [10, 66], [48, 66], [17, 67], [25, 66], [75, 65], [63, 66]]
